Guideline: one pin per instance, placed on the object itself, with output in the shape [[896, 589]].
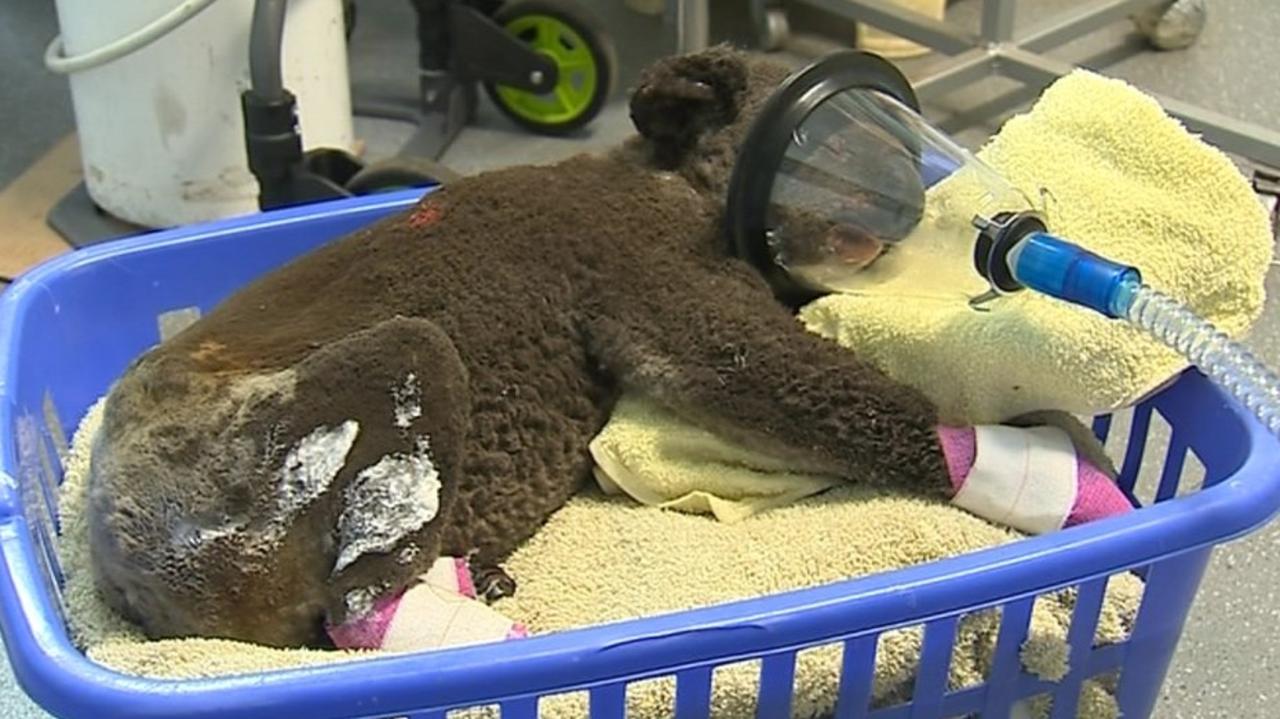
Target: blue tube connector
[[1069, 272], [1062, 269]]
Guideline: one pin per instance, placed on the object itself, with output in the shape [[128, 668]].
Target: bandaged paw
[[1031, 479], [440, 611]]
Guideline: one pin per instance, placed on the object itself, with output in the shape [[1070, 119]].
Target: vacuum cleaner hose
[[55, 60]]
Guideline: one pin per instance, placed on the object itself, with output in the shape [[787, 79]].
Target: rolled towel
[[639, 455], [692, 469]]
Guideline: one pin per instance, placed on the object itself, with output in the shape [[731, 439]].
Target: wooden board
[[25, 238]]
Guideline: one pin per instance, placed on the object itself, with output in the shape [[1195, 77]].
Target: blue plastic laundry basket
[[70, 327]]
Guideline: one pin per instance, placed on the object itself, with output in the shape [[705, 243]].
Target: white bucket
[[161, 134]]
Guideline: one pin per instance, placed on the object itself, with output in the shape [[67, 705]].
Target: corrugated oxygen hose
[[1222, 359], [1059, 268]]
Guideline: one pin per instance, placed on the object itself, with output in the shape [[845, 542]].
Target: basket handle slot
[[1137, 446], [1102, 427], [1174, 460]]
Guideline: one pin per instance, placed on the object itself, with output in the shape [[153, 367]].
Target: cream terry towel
[[1120, 177], [692, 470], [649, 454], [603, 559]]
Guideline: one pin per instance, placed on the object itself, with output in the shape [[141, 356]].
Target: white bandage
[[430, 617], [1023, 478], [441, 612]]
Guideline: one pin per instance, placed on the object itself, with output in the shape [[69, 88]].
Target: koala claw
[[492, 583]]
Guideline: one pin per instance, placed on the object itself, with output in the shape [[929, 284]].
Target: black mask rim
[[763, 147]]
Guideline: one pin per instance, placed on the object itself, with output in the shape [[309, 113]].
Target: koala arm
[[717, 349]]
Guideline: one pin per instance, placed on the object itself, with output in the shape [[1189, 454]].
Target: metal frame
[[996, 51]]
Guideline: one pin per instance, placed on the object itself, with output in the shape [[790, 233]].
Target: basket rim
[[64, 681]]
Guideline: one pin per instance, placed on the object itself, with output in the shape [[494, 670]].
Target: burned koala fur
[[428, 385]]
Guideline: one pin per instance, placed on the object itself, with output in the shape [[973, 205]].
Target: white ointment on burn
[[386, 502], [408, 397], [309, 468]]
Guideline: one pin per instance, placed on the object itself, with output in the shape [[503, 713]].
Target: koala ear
[[679, 98]]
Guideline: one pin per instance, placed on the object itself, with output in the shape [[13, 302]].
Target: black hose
[[272, 143], [433, 34], [266, 41]]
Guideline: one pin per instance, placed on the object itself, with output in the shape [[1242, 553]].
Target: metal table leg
[[693, 25]]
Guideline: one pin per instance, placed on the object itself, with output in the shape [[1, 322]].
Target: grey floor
[[1228, 664]]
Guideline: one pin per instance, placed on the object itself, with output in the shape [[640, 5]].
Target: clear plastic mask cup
[[871, 199]]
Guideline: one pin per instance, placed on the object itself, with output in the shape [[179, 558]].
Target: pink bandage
[[367, 632], [440, 611], [1096, 496]]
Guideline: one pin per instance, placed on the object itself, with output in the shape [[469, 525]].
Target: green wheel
[[584, 58]]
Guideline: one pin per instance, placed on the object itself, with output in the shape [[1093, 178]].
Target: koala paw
[[492, 583]]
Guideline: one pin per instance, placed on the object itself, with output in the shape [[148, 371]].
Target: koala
[[428, 385]]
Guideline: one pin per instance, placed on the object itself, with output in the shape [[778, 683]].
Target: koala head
[[850, 189]]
